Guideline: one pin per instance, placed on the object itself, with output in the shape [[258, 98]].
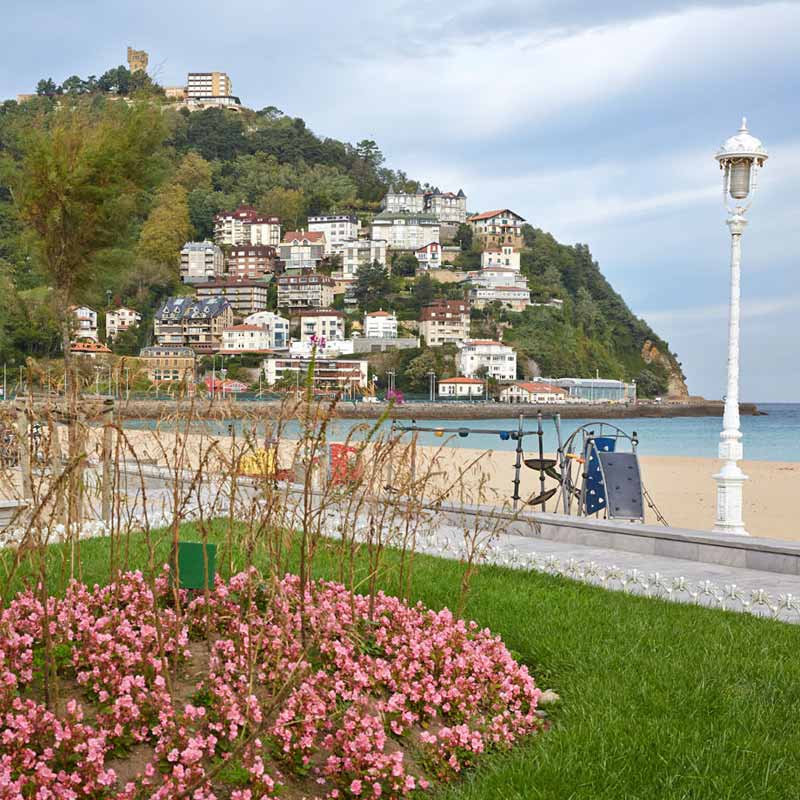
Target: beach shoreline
[[271, 409]]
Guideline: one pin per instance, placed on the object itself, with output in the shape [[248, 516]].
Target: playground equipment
[[595, 469]]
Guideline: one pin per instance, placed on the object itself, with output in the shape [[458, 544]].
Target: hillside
[[214, 160]]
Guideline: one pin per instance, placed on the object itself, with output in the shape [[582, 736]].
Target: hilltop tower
[[137, 60]]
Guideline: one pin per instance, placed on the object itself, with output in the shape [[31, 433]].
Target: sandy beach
[[685, 492], [683, 488]]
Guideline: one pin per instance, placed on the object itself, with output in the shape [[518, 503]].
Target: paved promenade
[[768, 594]]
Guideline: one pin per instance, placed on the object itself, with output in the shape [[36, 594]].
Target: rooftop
[[298, 236], [533, 387], [496, 213], [473, 381], [244, 327]]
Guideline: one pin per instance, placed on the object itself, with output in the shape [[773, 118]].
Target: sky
[[597, 122]]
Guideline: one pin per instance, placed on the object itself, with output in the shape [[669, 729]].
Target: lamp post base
[[729, 499]]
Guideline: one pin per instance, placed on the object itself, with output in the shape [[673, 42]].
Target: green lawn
[[659, 700]]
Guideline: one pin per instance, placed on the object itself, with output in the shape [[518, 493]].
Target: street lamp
[[739, 158], [432, 385]]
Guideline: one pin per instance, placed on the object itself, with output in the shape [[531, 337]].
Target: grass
[[660, 701]]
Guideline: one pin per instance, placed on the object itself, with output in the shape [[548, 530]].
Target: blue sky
[[594, 121]]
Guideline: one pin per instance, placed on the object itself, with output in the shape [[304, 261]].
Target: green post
[[191, 565]]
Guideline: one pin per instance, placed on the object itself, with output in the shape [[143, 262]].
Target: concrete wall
[[770, 555]]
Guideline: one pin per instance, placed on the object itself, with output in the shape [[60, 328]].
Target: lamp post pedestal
[[731, 478]]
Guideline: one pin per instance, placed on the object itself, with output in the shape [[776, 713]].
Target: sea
[[773, 436]]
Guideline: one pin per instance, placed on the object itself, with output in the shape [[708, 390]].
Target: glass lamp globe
[[736, 157]]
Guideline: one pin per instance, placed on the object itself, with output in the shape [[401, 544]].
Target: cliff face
[[676, 387]]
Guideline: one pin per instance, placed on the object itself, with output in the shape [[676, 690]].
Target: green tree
[[47, 86], [167, 227], [193, 173], [404, 264], [463, 237], [216, 134], [372, 286], [81, 182], [288, 204], [424, 290], [528, 234]]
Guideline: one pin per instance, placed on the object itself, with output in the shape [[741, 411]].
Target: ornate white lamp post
[[739, 158]]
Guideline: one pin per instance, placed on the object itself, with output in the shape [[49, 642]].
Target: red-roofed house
[[462, 388], [302, 249], [533, 392], [497, 229], [89, 348], [429, 256]]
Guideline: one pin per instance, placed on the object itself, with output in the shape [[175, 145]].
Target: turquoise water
[[774, 437]]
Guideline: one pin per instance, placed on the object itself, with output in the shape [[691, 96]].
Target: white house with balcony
[[276, 326], [505, 256], [499, 360], [245, 339], [84, 323], [516, 298], [120, 319], [323, 324], [357, 253], [429, 256], [338, 228], [302, 249], [497, 276], [380, 325], [405, 231]]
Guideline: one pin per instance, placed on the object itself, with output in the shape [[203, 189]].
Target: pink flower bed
[[226, 701]]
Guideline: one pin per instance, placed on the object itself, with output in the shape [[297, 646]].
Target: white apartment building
[[380, 325], [404, 231], [309, 290], [533, 392], [505, 257], [445, 322], [208, 84], [429, 256], [276, 326], [245, 339], [329, 375], [120, 319], [85, 323], [360, 253], [323, 324], [201, 262], [499, 359], [462, 388], [498, 276], [517, 298], [302, 249], [338, 229], [246, 226]]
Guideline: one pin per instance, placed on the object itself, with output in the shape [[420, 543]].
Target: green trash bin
[[191, 566]]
